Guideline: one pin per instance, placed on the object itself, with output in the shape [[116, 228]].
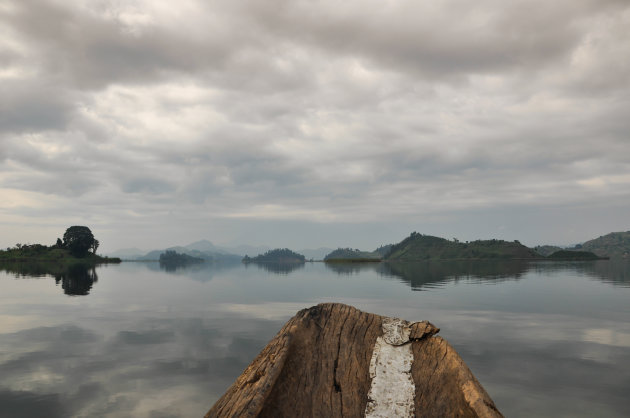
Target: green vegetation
[[279, 255], [426, 247], [573, 255], [75, 248], [79, 240], [350, 255], [173, 257]]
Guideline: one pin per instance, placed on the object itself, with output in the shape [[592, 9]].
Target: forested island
[[426, 247], [572, 255], [279, 255], [173, 257], [78, 246]]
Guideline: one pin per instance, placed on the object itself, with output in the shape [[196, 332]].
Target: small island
[[78, 246], [175, 258], [277, 256], [572, 255]]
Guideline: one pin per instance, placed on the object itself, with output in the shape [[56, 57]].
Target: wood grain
[[318, 366]]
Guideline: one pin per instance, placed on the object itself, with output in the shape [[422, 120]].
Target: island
[[277, 256], [173, 257], [573, 255], [78, 246], [426, 247]]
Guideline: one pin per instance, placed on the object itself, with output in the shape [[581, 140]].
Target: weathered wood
[[318, 365]]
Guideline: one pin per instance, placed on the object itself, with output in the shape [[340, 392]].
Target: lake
[[135, 339]]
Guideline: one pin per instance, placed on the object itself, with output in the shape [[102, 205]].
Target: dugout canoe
[[332, 360]]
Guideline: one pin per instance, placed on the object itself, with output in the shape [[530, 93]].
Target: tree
[[79, 240], [94, 246]]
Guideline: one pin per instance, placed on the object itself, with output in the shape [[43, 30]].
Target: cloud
[[311, 111]]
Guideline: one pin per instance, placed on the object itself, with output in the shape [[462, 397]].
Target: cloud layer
[[231, 120]]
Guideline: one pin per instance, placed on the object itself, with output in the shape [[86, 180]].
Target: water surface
[[544, 339]]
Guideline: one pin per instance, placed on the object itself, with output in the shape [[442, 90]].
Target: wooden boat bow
[[333, 360]]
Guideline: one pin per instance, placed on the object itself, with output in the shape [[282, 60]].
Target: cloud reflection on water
[[545, 339]]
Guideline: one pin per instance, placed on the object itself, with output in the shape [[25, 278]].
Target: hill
[[615, 244], [426, 247], [348, 254], [279, 255]]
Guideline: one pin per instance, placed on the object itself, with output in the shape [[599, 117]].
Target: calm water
[[136, 340]]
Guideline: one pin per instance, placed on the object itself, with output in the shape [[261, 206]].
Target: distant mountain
[[211, 256], [615, 244], [426, 247], [249, 250], [547, 250], [348, 254], [279, 255], [127, 253], [204, 245]]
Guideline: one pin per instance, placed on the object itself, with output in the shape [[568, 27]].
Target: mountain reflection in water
[[423, 275]]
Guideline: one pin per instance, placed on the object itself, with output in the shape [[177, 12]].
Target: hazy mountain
[[127, 253], [249, 250], [204, 245], [212, 256]]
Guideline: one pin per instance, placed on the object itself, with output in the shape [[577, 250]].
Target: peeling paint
[[392, 391]]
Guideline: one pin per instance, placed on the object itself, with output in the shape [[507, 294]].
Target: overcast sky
[[313, 123]]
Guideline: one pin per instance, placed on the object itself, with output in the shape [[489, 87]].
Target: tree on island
[[79, 240]]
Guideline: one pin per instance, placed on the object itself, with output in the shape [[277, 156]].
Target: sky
[[313, 123]]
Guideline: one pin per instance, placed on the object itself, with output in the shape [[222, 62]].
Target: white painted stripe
[[392, 392]]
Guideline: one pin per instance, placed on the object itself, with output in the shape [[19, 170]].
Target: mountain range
[[614, 244]]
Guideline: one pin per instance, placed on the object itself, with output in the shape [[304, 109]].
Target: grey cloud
[[146, 337], [34, 106], [313, 111], [92, 52], [146, 185], [429, 41]]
